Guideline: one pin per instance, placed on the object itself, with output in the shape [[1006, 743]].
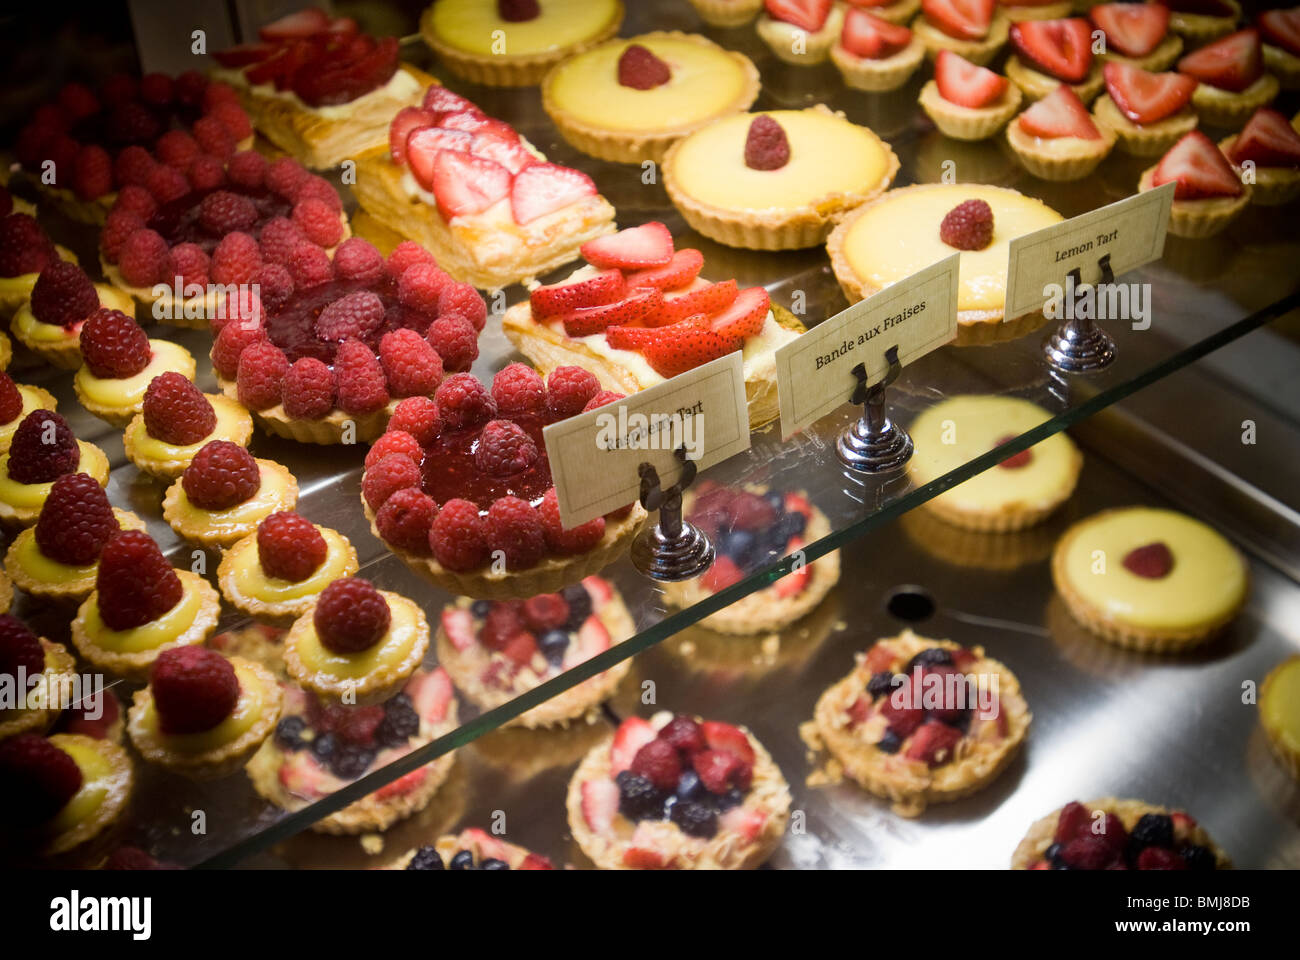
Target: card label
[[917, 314], [595, 456], [1132, 231]]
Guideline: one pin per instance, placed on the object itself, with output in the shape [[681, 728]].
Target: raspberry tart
[[973, 29], [25, 251], [463, 482], [140, 607], [1279, 697], [224, 494], [922, 721], [727, 13], [317, 88], [1056, 139], [1232, 83], [17, 400], [471, 849], [201, 715], [967, 101], [874, 54], [496, 650], [1200, 21], [176, 420], [1273, 145], [1113, 834], [119, 362], [319, 747], [1138, 34], [30, 467], [639, 312], [481, 198], [678, 793], [752, 527], [58, 558], [47, 671], [1280, 32], [96, 715], [1149, 112], [63, 299], [1052, 52], [1209, 194], [800, 32]]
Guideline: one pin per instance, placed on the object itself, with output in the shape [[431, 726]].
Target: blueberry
[[1153, 830], [350, 762], [688, 785], [881, 684], [426, 858], [732, 798], [793, 524], [740, 545], [695, 819], [1198, 857], [463, 860], [579, 601], [323, 746], [553, 643], [776, 501], [638, 798], [400, 722], [928, 658], [492, 863], [288, 733], [890, 742], [480, 608]]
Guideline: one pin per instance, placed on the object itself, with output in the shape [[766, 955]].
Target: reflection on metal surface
[[673, 549], [1078, 345], [874, 444]]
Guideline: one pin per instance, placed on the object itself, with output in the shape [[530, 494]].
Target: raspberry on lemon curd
[[225, 493], [119, 361], [175, 420], [42, 450]]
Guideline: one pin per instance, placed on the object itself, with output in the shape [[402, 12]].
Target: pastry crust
[[1283, 64], [483, 845], [1220, 108], [1273, 186], [215, 528], [172, 467], [728, 13], [64, 353], [1143, 140], [979, 549], [816, 44], [976, 51], [1199, 28], [969, 123], [119, 415], [898, 12], [1158, 60], [116, 793], [1035, 84], [336, 427], [1197, 219], [277, 612], [60, 667], [1280, 740], [65, 591], [887, 73], [6, 592], [1049, 11], [14, 517]]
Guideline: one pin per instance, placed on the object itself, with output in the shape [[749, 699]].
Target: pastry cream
[[230, 419], [475, 26], [151, 635], [129, 391], [26, 554], [18, 494], [401, 86], [248, 709], [403, 633], [252, 581], [97, 774]]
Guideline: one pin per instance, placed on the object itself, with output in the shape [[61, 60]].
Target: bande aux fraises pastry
[[471, 849], [1209, 194], [496, 650], [1232, 83], [1114, 834], [921, 721], [32, 464], [1052, 52], [62, 298], [1273, 146], [679, 793], [319, 89], [459, 488], [47, 667], [967, 101], [1138, 34], [639, 313], [478, 196]]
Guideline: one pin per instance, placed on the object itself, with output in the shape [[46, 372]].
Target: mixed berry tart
[[319, 747], [874, 54], [32, 464], [224, 494], [1209, 194], [481, 198], [800, 32], [1273, 146], [1056, 138], [25, 250], [45, 669], [1200, 21], [1231, 82], [319, 89], [460, 487], [203, 716], [1114, 834], [727, 13], [49, 322], [678, 793], [472, 849], [751, 527], [118, 363], [1149, 112], [17, 400], [967, 101], [973, 29], [1279, 713], [495, 650], [1280, 32], [921, 721], [276, 573], [639, 313], [1138, 34], [176, 420], [58, 558], [141, 606], [334, 348]]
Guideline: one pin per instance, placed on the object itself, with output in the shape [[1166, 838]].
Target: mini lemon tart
[[967, 101], [117, 400], [1233, 84], [941, 26], [25, 482], [893, 237], [1017, 493], [167, 459], [727, 13], [1056, 139], [100, 800], [48, 691], [745, 184], [30, 252], [214, 517], [512, 43], [203, 750], [1149, 579], [1200, 21], [801, 35], [1209, 194], [1272, 145], [1279, 712], [24, 399], [873, 54], [1149, 112], [51, 579], [356, 644], [629, 99], [269, 574], [59, 344]]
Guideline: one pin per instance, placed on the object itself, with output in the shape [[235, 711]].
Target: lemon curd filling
[[27, 554], [229, 417], [249, 707], [96, 771], [31, 401], [474, 26], [1281, 704], [153, 634], [393, 647], [129, 391], [251, 581], [18, 494], [28, 328]]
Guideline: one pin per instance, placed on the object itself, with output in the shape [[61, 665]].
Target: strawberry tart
[[1232, 83], [1053, 52], [1280, 32], [921, 721], [1138, 34], [63, 298], [460, 487], [17, 400], [1209, 194], [639, 313], [1149, 112], [471, 849], [45, 666], [32, 464], [800, 32], [319, 747], [25, 251], [727, 13], [468, 188], [1020, 10], [874, 54], [1114, 834], [974, 29], [678, 793], [1056, 138], [224, 493], [1273, 146], [967, 101], [495, 650], [1200, 21]]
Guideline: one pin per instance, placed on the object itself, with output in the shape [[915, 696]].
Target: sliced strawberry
[[1059, 114], [709, 299], [796, 581], [301, 23], [722, 574], [600, 590], [599, 803], [681, 270], [807, 15], [1198, 167], [430, 694], [1232, 63], [933, 743], [1061, 48], [604, 287], [546, 187], [364, 72], [592, 638], [872, 38], [631, 735], [301, 776], [745, 317], [442, 101], [962, 658], [509, 152], [464, 184], [638, 338], [1133, 29], [476, 122], [745, 821], [1281, 28], [343, 27], [960, 19], [243, 55], [636, 248], [407, 120], [535, 861], [423, 144], [273, 69], [403, 785], [729, 739], [1267, 139], [966, 84], [879, 658], [643, 858], [671, 355], [632, 309], [1146, 97], [458, 625]]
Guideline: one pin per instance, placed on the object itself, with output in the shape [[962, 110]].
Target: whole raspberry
[[236, 259], [241, 305], [361, 383], [166, 183], [384, 478], [310, 265], [176, 411], [215, 93], [247, 169], [118, 88], [262, 366], [135, 584], [519, 389], [464, 402], [76, 521], [404, 521], [63, 295], [394, 441], [92, 172], [546, 611], [11, 399], [190, 88], [318, 221], [233, 118], [222, 212], [411, 364], [144, 259], [504, 449], [455, 340], [658, 762], [136, 199], [358, 314], [520, 648], [176, 148], [213, 137], [350, 616], [571, 540], [190, 263], [968, 226], [308, 389], [78, 100], [568, 389], [62, 153], [289, 547], [113, 346], [514, 528], [419, 417], [194, 689], [602, 398], [24, 247], [119, 226], [133, 166], [156, 89], [39, 780], [420, 286], [684, 734], [283, 175], [458, 536], [357, 259], [133, 123], [20, 649], [404, 255], [43, 448], [500, 624], [463, 299], [206, 173], [275, 285], [318, 188], [279, 238], [230, 345], [221, 475]]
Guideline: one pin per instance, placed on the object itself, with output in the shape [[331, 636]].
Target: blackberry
[[289, 731], [426, 858], [695, 819], [400, 722], [480, 608], [732, 798], [323, 746], [688, 785], [638, 798], [350, 762], [463, 860], [880, 684], [579, 601], [928, 658], [1054, 857], [792, 525], [492, 863], [1153, 830], [553, 643], [1198, 857], [776, 501], [890, 742]]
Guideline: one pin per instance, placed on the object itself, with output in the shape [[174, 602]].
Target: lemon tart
[[40, 675], [1279, 712], [42, 450], [25, 251], [49, 322], [17, 400], [119, 363], [225, 493], [176, 421]]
